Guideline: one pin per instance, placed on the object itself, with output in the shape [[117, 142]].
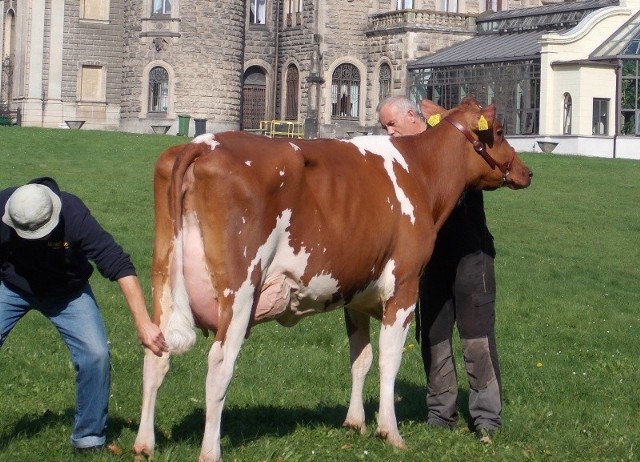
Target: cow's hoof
[[393, 438], [141, 454], [359, 427]]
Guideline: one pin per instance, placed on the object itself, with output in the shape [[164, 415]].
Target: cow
[[250, 229]]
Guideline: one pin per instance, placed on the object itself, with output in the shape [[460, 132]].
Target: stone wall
[[202, 47]]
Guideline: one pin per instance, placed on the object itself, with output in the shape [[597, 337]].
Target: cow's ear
[[432, 112], [487, 117]]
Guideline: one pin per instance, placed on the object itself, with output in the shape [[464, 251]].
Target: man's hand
[[151, 337], [149, 334]]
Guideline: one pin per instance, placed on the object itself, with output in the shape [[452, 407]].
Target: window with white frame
[[404, 4], [566, 114], [92, 86], [94, 9], [450, 6], [258, 11], [294, 6], [600, 116], [158, 89], [293, 12], [492, 5], [345, 92], [161, 7]]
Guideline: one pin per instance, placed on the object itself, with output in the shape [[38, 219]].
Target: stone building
[[132, 65], [563, 73]]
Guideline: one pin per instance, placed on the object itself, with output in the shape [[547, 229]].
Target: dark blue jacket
[[465, 231], [60, 264]]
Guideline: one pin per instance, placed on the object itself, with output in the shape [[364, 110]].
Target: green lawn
[[568, 320]]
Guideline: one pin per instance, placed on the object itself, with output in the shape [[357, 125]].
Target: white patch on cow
[[282, 172], [382, 146], [180, 335], [294, 146], [227, 292], [275, 254], [321, 287], [248, 163], [398, 330], [387, 280], [207, 138]]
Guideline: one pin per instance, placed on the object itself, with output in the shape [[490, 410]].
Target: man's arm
[[149, 334]]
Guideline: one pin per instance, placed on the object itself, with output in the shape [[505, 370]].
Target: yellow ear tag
[[483, 124], [433, 120]]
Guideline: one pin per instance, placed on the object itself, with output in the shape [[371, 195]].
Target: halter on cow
[[251, 229]]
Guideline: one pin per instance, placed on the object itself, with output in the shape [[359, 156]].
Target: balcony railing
[[420, 20]]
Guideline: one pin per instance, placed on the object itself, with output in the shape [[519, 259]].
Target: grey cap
[[33, 211]]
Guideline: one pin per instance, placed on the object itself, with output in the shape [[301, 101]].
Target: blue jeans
[[80, 324]]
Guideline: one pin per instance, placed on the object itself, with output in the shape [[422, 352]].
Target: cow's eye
[[499, 132]]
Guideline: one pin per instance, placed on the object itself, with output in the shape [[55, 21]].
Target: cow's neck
[[448, 165]]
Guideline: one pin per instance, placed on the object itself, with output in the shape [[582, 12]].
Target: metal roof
[[546, 9], [489, 48], [512, 35]]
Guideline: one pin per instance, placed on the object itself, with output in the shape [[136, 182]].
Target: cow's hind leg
[[393, 334], [154, 370], [361, 357], [221, 363]]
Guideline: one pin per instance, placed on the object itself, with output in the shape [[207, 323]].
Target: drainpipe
[[275, 61], [617, 68]]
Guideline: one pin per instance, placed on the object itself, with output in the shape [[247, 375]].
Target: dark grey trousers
[[462, 294]]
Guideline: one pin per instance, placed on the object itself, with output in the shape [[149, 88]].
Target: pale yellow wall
[[583, 82]]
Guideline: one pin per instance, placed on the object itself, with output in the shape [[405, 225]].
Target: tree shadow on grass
[[244, 425], [30, 425], [241, 426]]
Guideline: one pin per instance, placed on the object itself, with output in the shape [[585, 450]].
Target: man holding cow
[[458, 286], [47, 239]]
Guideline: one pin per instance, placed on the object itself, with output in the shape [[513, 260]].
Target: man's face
[[398, 123]]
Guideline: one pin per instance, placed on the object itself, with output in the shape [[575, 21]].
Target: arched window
[[254, 98], [291, 107], [345, 92], [158, 89], [405, 4], [566, 115], [384, 81]]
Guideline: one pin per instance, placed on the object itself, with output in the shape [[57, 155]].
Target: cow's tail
[[180, 332]]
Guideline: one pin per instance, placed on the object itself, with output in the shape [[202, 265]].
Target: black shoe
[[485, 435], [89, 449]]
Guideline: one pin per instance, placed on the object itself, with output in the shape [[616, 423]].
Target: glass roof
[[624, 42], [552, 16]]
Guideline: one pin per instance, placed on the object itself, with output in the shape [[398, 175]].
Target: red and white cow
[[251, 229]]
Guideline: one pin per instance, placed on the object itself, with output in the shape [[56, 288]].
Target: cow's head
[[486, 137]]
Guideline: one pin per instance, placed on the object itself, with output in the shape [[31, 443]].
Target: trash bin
[[201, 126], [183, 125]]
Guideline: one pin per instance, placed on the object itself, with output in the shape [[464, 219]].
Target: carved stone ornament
[[159, 43]]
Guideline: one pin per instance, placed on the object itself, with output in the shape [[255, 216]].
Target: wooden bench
[[9, 117]]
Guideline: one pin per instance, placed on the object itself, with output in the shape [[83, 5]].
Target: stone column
[[53, 111], [32, 107]]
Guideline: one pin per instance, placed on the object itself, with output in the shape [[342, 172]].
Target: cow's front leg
[[154, 370], [393, 333], [361, 357]]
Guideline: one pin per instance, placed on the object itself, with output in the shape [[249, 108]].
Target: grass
[[568, 285]]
